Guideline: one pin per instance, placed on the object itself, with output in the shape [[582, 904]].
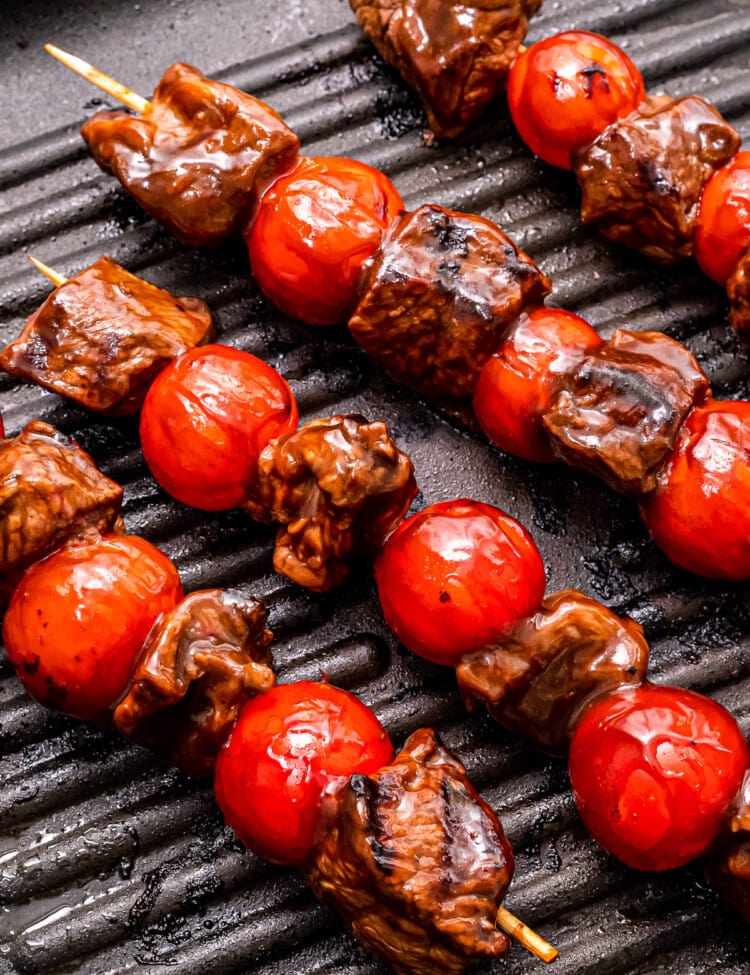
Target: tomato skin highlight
[[564, 91], [315, 229], [78, 619], [289, 747], [205, 421], [699, 514], [517, 384], [654, 772], [723, 230], [455, 576]]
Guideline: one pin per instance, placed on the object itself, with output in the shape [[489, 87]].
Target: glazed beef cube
[[101, 338], [415, 861], [456, 55], [438, 298], [618, 413], [538, 680], [643, 177], [201, 662], [199, 158], [51, 492], [339, 487], [728, 863], [738, 289]]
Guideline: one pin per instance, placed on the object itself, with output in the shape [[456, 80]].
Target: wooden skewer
[[101, 80], [55, 277], [532, 941]]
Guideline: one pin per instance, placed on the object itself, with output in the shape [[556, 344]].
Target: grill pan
[[109, 864]]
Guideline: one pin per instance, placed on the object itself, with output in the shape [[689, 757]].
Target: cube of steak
[[438, 298], [50, 492], [738, 289], [457, 56], [728, 862], [339, 487], [643, 177], [415, 861], [101, 338], [618, 413], [199, 158], [201, 662], [538, 680]]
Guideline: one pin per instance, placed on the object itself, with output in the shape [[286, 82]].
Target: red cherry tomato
[[78, 619], [654, 771], [455, 576], [564, 91], [206, 419], [518, 383], [699, 514], [724, 219], [314, 230], [289, 747]]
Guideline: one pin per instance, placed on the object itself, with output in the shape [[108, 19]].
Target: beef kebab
[[660, 775], [448, 304], [98, 628]]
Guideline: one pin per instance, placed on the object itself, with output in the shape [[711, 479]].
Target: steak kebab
[[443, 301], [663, 175], [98, 628]]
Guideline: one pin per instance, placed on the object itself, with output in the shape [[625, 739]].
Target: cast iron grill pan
[[109, 864]]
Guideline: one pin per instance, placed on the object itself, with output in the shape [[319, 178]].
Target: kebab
[[99, 629], [447, 303], [218, 425]]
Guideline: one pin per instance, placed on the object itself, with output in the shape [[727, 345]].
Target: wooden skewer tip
[[532, 941], [54, 276], [98, 78]]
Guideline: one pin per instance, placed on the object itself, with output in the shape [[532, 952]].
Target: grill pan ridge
[[109, 864]]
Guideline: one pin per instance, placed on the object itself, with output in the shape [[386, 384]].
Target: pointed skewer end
[[532, 941], [54, 276], [96, 77]]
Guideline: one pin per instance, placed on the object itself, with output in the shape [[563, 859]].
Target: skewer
[[531, 941], [101, 80], [55, 277]]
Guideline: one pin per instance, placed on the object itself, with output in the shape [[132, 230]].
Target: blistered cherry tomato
[[78, 619], [518, 383], [654, 771], [455, 576], [723, 230], [565, 90], [289, 747], [205, 421], [314, 230], [699, 514]]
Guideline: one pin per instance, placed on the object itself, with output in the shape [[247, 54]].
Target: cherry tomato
[[289, 747], [699, 514], [517, 385], [564, 91], [654, 771], [723, 230], [314, 230], [206, 419], [455, 576], [78, 619]]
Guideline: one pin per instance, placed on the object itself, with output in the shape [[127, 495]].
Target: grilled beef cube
[[339, 487], [101, 338], [643, 177], [738, 289], [457, 56], [51, 492], [728, 862], [538, 680], [199, 158], [201, 662], [415, 861], [438, 298], [618, 413]]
